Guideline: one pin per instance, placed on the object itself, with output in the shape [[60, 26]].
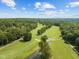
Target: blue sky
[[39, 8]]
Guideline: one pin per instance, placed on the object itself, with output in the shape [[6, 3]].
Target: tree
[[27, 36], [3, 38], [11, 37], [15, 32], [42, 30], [44, 48], [39, 32], [77, 41], [44, 38]]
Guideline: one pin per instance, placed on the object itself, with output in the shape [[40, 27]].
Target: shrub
[[27, 36]]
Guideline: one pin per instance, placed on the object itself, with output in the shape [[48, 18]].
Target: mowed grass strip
[[53, 33], [59, 49], [20, 50]]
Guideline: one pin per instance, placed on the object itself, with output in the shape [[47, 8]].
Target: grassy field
[[20, 50], [63, 51], [60, 50]]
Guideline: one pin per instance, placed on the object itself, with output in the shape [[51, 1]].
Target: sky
[[39, 8]]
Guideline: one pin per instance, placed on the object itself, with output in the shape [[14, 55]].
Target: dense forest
[[11, 30]]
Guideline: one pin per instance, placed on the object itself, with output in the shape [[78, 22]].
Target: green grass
[[53, 32], [20, 50], [59, 49]]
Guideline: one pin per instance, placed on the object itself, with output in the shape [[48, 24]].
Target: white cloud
[[48, 10], [10, 3], [73, 4], [44, 6], [23, 8], [48, 6], [55, 13], [66, 10], [37, 5], [63, 11], [60, 10], [49, 13]]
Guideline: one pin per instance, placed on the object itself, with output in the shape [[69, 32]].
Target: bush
[[27, 36], [44, 38], [39, 32]]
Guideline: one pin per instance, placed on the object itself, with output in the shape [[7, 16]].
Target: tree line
[[12, 29], [44, 48], [70, 32], [43, 29]]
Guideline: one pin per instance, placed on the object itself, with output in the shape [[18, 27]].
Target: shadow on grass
[[23, 41], [76, 49], [67, 42]]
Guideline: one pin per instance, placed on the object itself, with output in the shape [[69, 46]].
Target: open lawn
[[60, 50]]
